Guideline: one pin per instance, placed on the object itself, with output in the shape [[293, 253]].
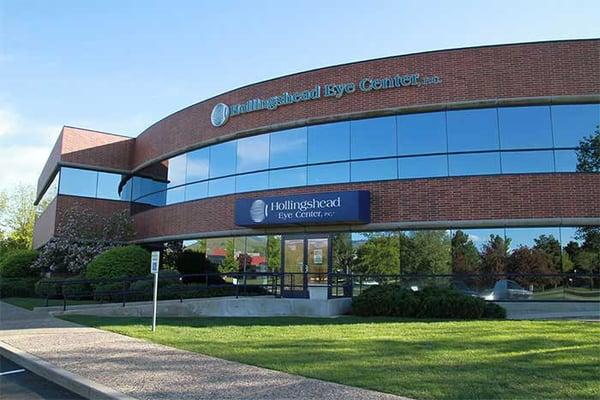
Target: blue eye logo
[[219, 115], [258, 211]]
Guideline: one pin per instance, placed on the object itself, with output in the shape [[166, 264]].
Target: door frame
[[303, 294]]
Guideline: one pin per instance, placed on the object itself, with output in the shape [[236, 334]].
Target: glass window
[[571, 123], [422, 133], [374, 170], [474, 164], [125, 193], [425, 252], [525, 127], [380, 246], [472, 130], [175, 195], [196, 191], [78, 182], [108, 186], [422, 167], [218, 187], [373, 137], [273, 252], [155, 199], [145, 186], [566, 160], [222, 159], [530, 237], [289, 177], [328, 173], [288, 148], [253, 153], [527, 161], [197, 165], [329, 142], [176, 174], [251, 182]]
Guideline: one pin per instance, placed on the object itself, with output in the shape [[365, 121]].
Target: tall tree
[[465, 256], [274, 252], [17, 217], [379, 255], [229, 264], [550, 246], [343, 252], [494, 257], [588, 153], [426, 252]]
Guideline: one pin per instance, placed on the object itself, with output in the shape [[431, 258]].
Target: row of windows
[[512, 128]]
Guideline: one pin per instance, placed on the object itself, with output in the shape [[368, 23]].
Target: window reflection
[[525, 127], [422, 133], [252, 182], [527, 161], [175, 195], [571, 123], [373, 170], [329, 142], [289, 177], [219, 187], [222, 159], [566, 160], [474, 164], [373, 137], [176, 174], [328, 173], [78, 182], [108, 186], [197, 165], [288, 148], [196, 191], [473, 130], [253, 153], [422, 167]]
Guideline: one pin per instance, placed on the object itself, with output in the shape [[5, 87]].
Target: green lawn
[[31, 302], [424, 360]]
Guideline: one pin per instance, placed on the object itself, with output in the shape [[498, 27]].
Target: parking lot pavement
[[17, 383]]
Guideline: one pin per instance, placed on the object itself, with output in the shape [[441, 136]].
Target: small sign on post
[[154, 264]]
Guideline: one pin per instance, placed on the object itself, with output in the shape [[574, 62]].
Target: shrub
[[119, 262], [17, 264], [17, 287], [112, 291], [49, 287], [74, 289], [395, 301], [194, 262]]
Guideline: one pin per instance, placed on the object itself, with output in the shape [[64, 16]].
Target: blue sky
[[119, 66]]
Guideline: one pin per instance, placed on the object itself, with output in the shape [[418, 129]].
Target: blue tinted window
[[251, 182], [78, 182], [218, 187], [373, 137], [144, 186], [329, 173], [472, 130], [176, 174], [196, 191], [527, 236], [253, 153], [222, 159], [288, 148], [422, 167], [155, 199], [474, 164], [175, 195], [566, 160], [287, 177], [527, 161], [525, 127], [422, 133], [108, 186], [197, 165], [126, 190], [374, 170], [571, 123], [329, 142]]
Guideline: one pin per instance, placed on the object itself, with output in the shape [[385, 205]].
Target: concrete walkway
[[149, 371]]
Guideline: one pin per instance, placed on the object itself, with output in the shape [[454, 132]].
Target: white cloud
[[21, 164], [474, 238], [8, 121]]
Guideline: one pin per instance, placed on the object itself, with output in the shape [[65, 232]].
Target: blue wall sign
[[305, 209]]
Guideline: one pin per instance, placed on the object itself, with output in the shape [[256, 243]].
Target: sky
[[121, 65]]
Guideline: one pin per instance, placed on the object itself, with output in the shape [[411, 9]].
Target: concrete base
[[260, 306], [551, 310]]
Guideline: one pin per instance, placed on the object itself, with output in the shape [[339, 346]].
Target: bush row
[[396, 301]]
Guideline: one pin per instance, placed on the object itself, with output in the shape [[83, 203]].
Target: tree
[[343, 252], [588, 153], [531, 261], [17, 217], [274, 252], [426, 252], [494, 256], [83, 235], [550, 246], [379, 255], [229, 264], [465, 256]]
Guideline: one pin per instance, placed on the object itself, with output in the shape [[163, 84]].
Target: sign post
[[154, 262]]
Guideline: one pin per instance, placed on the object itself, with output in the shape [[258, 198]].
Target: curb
[[75, 383]]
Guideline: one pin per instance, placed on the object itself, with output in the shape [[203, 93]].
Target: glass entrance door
[[305, 262]]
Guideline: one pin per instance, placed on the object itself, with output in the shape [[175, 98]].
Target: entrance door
[[305, 262]]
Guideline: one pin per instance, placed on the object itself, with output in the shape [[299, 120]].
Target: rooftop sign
[[221, 112], [305, 209]]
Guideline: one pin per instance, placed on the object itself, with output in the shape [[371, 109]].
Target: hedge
[[396, 301], [17, 264], [17, 287], [119, 262]]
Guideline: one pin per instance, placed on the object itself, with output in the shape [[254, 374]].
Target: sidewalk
[[149, 371]]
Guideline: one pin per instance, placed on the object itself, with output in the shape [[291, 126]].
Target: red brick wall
[[442, 199], [82, 146], [98, 206], [484, 73]]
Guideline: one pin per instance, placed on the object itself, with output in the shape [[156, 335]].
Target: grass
[[424, 360], [31, 302]]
